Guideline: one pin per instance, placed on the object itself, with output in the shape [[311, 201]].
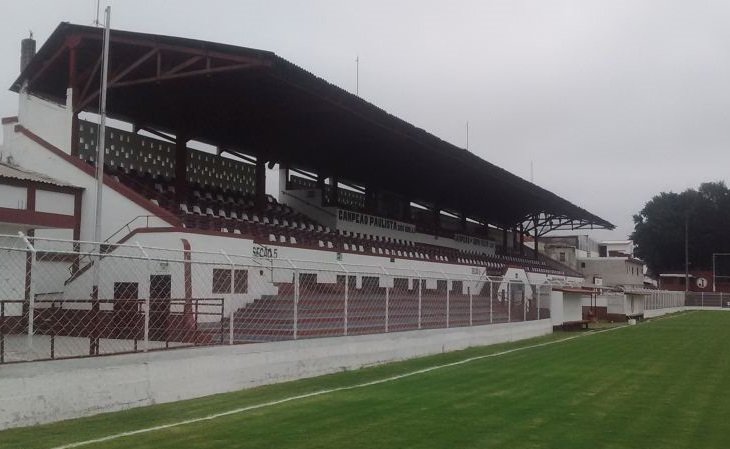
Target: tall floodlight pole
[[357, 75], [686, 252], [100, 151], [713, 272]]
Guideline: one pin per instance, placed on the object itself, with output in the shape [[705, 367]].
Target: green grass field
[[661, 384]]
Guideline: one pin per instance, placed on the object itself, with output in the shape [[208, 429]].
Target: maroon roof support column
[[181, 167], [537, 254], [73, 84], [260, 184], [436, 218], [522, 239]]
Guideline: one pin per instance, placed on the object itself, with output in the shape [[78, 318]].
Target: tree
[[659, 228]]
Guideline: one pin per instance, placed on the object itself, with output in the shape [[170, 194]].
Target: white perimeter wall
[[40, 392], [565, 307]]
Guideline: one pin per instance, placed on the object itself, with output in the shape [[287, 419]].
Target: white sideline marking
[[334, 390]]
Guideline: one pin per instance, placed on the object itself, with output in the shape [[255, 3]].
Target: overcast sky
[[612, 101]]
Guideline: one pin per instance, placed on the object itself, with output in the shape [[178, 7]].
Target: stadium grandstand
[[357, 187]]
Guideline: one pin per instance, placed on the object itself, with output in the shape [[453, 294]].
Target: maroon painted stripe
[[37, 219]]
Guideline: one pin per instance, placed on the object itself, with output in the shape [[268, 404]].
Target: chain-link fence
[[709, 299], [62, 299]]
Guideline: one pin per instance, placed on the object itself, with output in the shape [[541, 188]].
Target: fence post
[[539, 293], [702, 299], [146, 307], [448, 302], [230, 327], [386, 278], [30, 289], [509, 301], [347, 297], [420, 282], [471, 307], [524, 304], [233, 289], [295, 324], [2, 332], [387, 309], [491, 294]]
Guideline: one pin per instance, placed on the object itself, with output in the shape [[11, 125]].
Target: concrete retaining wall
[[41, 392], [659, 312]]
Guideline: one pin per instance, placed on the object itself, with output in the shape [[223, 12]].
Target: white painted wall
[[117, 210], [572, 307], [41, 392], [240, 250], [556, 308], [614, 270], [49, 120], [54, 202], [13, 197]]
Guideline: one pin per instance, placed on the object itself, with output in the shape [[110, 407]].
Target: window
[[582, 264], [222, 281], [240, 281], [562, 256]]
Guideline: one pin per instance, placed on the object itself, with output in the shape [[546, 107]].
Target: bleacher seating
[[220, 210], [321, 310]]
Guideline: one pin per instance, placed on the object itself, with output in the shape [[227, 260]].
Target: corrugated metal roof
[[278, 111], [8, 171]]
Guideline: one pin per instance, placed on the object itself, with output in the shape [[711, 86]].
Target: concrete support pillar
[[504, 240], [537, 256]]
